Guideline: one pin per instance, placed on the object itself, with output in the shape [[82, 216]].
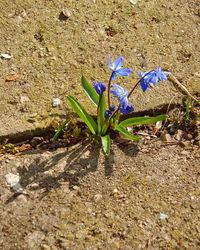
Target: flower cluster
[[121, 94], [152, 77], [117, 103]]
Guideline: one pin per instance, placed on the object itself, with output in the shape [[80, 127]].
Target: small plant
[[109, 112]]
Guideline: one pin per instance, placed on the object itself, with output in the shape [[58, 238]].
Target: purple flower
[[152, 77], [120, 93], [117, 69], [107, 114], [99, 87], [126, 109]]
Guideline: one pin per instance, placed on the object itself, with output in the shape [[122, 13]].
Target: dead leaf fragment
[[11, 77]]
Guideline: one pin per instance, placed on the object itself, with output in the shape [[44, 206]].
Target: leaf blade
[[106, 143], [141, 120], [82, 113], [127, 134], [60, 130], [90, 91], [101, 113]]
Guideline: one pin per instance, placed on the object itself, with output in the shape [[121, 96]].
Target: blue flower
[[152, 77], [99, 87], [120, 93], [108, 112], [126, 109], [117, 69]]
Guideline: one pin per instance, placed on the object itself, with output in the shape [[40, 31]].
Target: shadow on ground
[[70, 165]]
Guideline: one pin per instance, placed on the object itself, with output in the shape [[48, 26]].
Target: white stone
[[56, 102]]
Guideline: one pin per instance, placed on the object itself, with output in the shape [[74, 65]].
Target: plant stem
[[130, 93], [173, 79], [109, 85]]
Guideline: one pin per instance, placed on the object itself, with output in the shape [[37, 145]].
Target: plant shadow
[[68, 165]]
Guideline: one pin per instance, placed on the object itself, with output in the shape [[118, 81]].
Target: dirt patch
[[144, 196]]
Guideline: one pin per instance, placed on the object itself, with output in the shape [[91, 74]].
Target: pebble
[[97, 197], [76, 188], [186, 144], [24, 99], [166, 137], [56, 102], [6, 56], [13, 181], [46, 247], [22, 198], [163, 216], [115, 191], [179, 135], [66, 13]]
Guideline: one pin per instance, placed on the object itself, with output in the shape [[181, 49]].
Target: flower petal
[[99, 87], [126, 110], [114, 75], [124, 72], [107, 114], [117, 64], [144, 85]]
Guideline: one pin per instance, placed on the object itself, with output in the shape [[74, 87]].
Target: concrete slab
[[51, 52]]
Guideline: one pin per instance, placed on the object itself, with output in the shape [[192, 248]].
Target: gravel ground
[[144, 196]]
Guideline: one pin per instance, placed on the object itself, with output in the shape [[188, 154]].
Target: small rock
[[66, 12], [56, 102], [133, 1], [13, 181], [22, 198], [189, 136], [179, 135], [72, 171], [18, 20], [6, 56], [33, 115], [64, 15], [115, 191], [165, 137], [186, 144], [163, 216], [76, 188], [97, 197], [46, 247], [24, 99]]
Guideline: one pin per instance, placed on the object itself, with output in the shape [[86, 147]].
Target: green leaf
[[89, 121], [106, 144], [90, 91], [127, 134], [101, 113], [141, 120], [59, 131]]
